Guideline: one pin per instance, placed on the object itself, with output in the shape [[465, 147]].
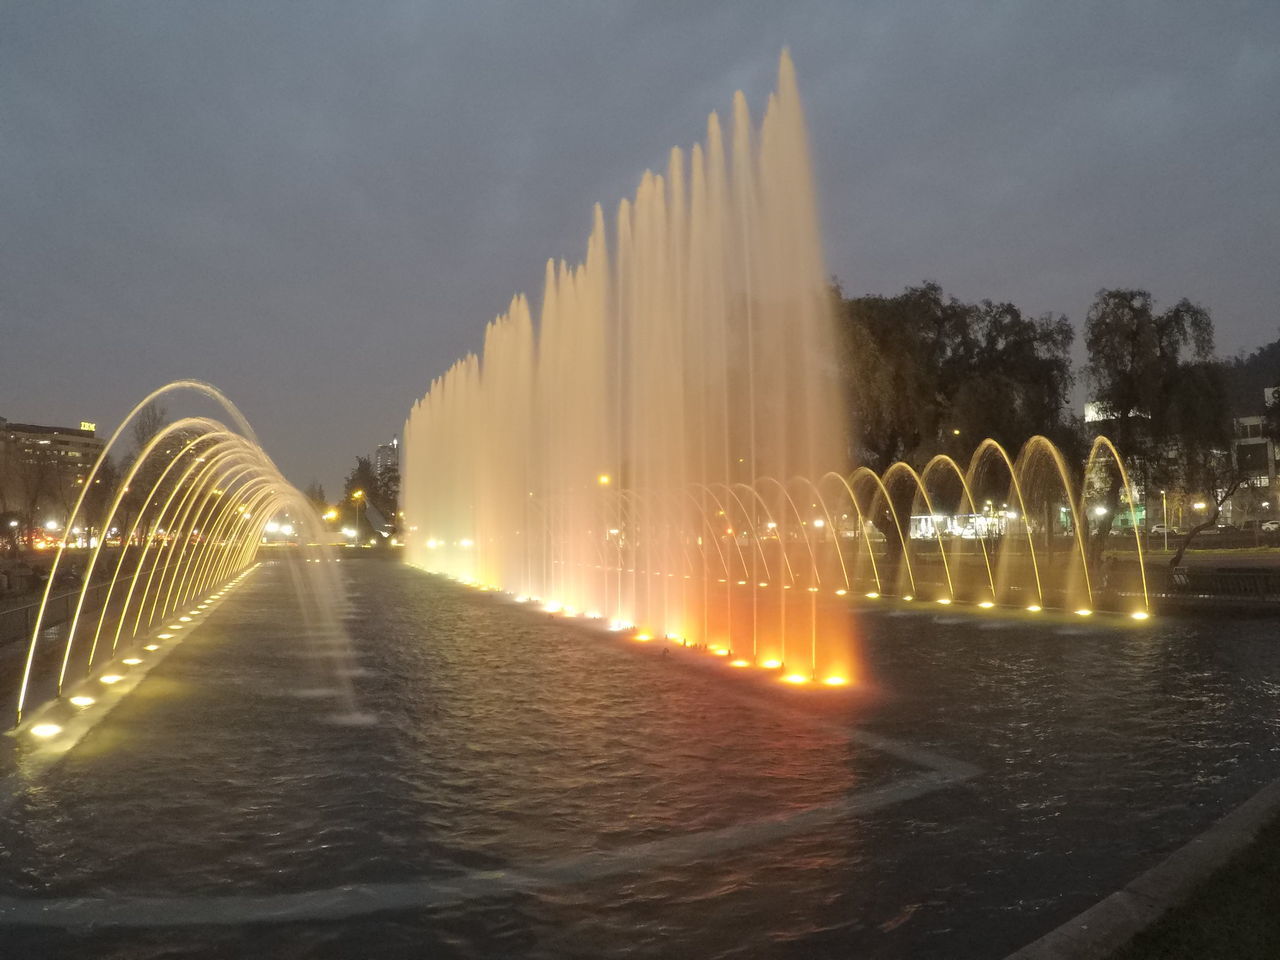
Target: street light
[[1164, 518], [356, 497]]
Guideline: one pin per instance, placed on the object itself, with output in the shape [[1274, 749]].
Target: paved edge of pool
[[1112, 922]]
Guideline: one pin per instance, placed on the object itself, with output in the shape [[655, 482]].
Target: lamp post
[[356, 497], [1164, 519]]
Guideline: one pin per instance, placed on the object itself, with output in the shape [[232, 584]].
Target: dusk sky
[[317, 206]]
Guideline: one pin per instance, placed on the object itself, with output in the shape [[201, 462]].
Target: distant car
[[1270, 526], [1228, 528], [1162, 529]]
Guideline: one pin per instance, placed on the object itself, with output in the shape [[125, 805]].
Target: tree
[[315, 496], [1163, 397], [149, 421], [928, 374], [389, 488]]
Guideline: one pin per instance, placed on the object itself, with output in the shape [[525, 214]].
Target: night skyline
[[319, 215]]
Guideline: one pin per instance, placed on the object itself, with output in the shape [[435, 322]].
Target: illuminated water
[[510, 746]]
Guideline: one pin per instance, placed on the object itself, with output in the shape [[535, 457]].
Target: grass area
[[1233, 915]]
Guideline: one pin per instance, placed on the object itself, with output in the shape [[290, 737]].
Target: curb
[[1111, 923]]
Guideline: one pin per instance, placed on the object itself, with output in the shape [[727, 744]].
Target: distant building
[[387, 455], [43, 467]]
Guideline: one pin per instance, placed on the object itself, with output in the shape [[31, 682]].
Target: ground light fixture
[[82, 701], [110, 678], [1140, 615], [131, 661], [45, 730]]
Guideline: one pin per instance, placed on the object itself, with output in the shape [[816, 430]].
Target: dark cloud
[[317, 206]]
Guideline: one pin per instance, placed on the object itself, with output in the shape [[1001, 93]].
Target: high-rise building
[[387, 455], [43, 467]]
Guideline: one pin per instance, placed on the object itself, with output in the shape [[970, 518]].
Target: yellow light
[[1033, 608], [763, 583], [986, 604], [185, 619], [1140, 615], [165, 636], [152, 646], [870, 596], [643, 637], [603, 480], [813, 589], [908, 597], [944, 600], [742, 583], [357, 494], [110, 678], [44, 730], [795, 678], [82, 701], [841, 592], [771, 664], [835, 681], [1083, 612], [721, 652], [131, 661], [739, 663]]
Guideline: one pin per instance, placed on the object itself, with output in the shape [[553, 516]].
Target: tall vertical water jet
[[613, 460]]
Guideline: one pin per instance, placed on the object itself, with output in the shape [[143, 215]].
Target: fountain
[[210, 491], [667, 450]]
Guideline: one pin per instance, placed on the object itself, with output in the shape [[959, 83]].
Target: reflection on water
[[505, 741]]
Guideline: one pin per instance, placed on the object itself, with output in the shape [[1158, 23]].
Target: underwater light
[[82, 701], [44, 730]]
